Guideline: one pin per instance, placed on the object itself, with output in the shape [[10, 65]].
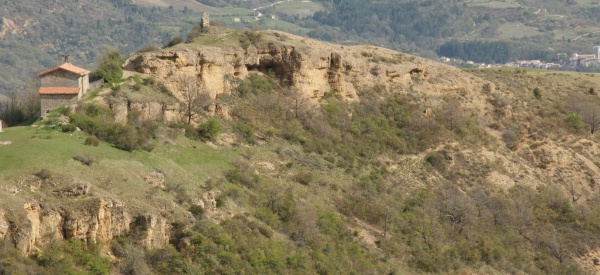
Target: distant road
[[277, 3], [259, 15]]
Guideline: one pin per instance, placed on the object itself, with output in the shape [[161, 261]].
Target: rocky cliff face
[[312, 67], [92, 220]]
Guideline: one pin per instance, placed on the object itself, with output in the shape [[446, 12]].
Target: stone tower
[[205, 21]]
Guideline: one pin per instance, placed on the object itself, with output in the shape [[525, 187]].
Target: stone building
[[62, 86], [205, 21]]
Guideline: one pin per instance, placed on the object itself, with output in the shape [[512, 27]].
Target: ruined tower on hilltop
[[205, 21]]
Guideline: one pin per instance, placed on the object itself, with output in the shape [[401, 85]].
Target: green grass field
[[117, 174], [494, 4], [517, 30], [301, 9], [283, 26]]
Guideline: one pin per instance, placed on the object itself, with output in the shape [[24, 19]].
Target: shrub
[[87, 159], [148, 81], [109, 67], [197, 211], [68, 128], [164, 89], [250, 38], [242, 174], [147, 48], [73, 257], [95, 110], [92, 141], [174, 41], [256, 84], [374, 71], [511, 137], [194, 33], [304, 177], [436, 160], [575, 122], [253, 36], [43, 174], [63, 110], [537, 93], [97, 120], [592, 91], [209, 130], [246, 130]]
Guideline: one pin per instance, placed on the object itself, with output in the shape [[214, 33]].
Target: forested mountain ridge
[[533, 29]]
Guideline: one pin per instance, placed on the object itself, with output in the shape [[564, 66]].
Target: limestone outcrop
[[92, 220], [311, 66]]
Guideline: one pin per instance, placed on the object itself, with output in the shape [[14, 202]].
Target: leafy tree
[[110, 66]]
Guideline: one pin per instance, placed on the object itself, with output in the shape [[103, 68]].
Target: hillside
[[307, 157], [34, 34], [33, 41]]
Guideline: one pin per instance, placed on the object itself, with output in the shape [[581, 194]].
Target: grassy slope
[[118, 173]]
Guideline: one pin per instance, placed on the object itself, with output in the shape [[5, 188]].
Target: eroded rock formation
[[313, 67], [92, 220]]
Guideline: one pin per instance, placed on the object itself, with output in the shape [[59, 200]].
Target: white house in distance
[[62, 86]]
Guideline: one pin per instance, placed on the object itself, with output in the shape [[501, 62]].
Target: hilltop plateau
[[267, 152]]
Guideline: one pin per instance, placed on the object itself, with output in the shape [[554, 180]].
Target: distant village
[[574, 62]]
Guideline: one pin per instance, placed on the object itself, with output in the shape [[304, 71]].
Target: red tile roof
[[59, 91], [67, 67]]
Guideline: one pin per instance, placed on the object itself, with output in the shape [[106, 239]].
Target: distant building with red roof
[[62, 86]]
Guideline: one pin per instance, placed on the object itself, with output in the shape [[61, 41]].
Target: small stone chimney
[[65, 58], [205, 21]]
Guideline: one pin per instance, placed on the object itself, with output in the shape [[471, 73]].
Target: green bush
[[197, 211], [68, 128], [575, 122], [148, 81], [537, 93], [256, 84], [92, 141], [250, 38], [245, 130], [174, 41], [63, 110], [72, 257], [97, 120], [209, 130], [304, 177], [43, 174], [437, 161], [87, 159], [110, 67], [147, 48]]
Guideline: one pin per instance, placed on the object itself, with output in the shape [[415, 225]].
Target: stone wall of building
[[51, 102], [85, 83], [61, 78]]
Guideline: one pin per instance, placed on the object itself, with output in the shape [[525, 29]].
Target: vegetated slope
[[498, 175], [529, 29], [179, 5]]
